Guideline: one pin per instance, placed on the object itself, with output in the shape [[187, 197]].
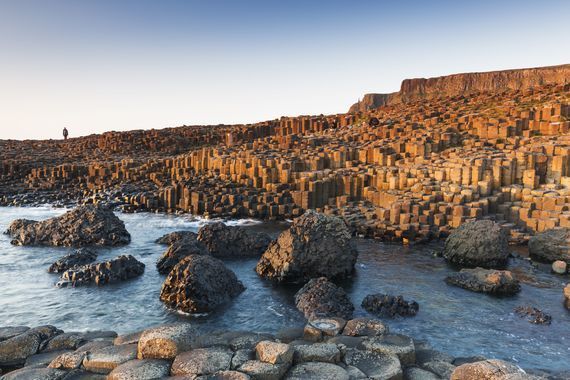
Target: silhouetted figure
[[65, 133]]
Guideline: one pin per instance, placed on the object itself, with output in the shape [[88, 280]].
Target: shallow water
[[454, 320]]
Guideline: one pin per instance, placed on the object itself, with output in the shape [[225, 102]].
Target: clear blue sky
[[105, 65]]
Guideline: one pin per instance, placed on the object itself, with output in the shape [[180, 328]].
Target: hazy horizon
[[99, 66]]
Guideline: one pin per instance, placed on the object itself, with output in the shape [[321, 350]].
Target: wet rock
[[242, 356], [94, 345], [315, 245], [202, 361], [43, 359], [317, 371], [274, 352], [429, 355], [80, 257], [287, 335], [82, 226], [321, 298], [440, 368], [492, 369], [247, 340], [489, 281], [550, 245], [177, 251], [317, 352], [14, 351], [365, 327], [121, 268], [68, 360], [35, 374], [80, 374], [559, 267], [263, 371], [128, 338], [375, 365], [533, 315], [173, 237], [481, 243], [229, 375], [394, 344], [106, 359], [199, 284], [389, 306], [226, 241], [11, 331], [166, 342], [415, 373], [319, 328], [65, 341], [146, 369]]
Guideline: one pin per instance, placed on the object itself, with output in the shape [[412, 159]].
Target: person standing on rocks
[[65, 133]]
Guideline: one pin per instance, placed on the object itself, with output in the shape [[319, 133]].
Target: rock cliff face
[[459, 84]]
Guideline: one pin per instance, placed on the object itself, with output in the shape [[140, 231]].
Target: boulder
[[116, 270], [389, 306], [178, 250], [43, 359], [264, 371], [533, 315], [566, 293], [15, 350], [173, 237], [202, 361], [393, 344], [482, 243], [550, 245], [106, 359], [316, 245], [35, 374], [146, 369], [65, 341], [68, 360], [489, 281], [317, 352], [375, 365], [492, 369], [317, 371], [166, 342], [559, 267], [415, 373], [321, 298], [365, 327], [80, 257], [274, 352], [11, 331], [441, 369], [319, 328], [128, 338], [82, 226], [199, 284], [226, 241], [229, 375]]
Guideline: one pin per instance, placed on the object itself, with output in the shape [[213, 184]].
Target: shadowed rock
[[179, 249], [116, 270], [80, 257], [485, 281], [226, 241], [321, 298], [389, 306], [550, 245], [533, 315], [172, 237]]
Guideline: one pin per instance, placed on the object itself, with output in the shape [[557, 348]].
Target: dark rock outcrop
[[482, 243], [81, 256], [389, 306], [320, 298], [533, 315], [550, 245], [227, 241], [185, 246], [316, 245], [119, 269], [82, 226], [199, 284], [175, 236], [485, 281]]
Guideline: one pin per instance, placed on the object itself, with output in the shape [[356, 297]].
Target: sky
[[100, 65]]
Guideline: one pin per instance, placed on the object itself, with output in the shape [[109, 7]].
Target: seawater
[[451, 319]]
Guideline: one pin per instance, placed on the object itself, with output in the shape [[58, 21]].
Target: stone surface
[[365, 327], [35, 374], [106, 359], [393, 344], [559, 267], [263, 371], [389, 306], [199, 284], [15, 350], [82, 226], [533, 315], [566, 293], [440, 368], [232, 241], [11, 331], [121, 268], [274, 352], [317, 352], [146, 369], [316, 245], [178, 250], [375, 365], [175, 236], [320, 298], [550, 245], [317, 371], [166, 342], [68, 360], [43, 359], [202, 361], [81, 256], [415, 373], [492, 369], [486, 281], [65, 341], [482, 243]]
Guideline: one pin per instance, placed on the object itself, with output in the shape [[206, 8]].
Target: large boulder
[[82, 226], [481, 243], [226, 241], [316, 245], [119, 269], [389, 306], [498, 282], [15, 350], [81, 256], [321, 298], [492, 369], [166, 342], [179, 249], [199, 284], [173, 237], [550, 245]]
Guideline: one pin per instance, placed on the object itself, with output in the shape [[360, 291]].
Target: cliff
[[461, 84]]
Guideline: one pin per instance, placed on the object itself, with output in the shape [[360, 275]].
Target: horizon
[[97, 67]]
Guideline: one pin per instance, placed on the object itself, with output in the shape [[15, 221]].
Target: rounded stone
[[559, 267], [550, 245], [146, 369], [375, 365], [489, 369], [365, 327], [317, 371], [202, 361]]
